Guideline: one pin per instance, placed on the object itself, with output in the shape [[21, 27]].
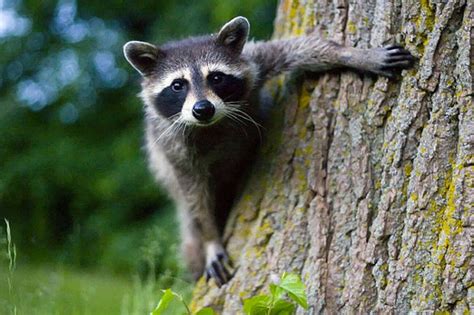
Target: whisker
[[246, 116], [168, 130], [237, 103], [184, 129], [243, 115], [236, 119]]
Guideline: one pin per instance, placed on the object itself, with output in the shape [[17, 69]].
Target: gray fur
[[201, 166]]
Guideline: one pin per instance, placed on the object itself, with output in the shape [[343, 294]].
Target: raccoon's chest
[[222, 151], [211, 148]]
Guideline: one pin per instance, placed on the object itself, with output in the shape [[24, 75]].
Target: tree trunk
[[365, 187]]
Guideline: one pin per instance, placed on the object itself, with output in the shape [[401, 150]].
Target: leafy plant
[[275, 304], [169, 296]]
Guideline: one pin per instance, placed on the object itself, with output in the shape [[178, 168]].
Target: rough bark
[[366, 186]]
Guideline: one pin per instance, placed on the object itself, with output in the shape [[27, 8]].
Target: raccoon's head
[[196, 81]]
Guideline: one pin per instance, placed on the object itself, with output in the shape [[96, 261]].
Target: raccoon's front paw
[[392, 59], [217, 264]]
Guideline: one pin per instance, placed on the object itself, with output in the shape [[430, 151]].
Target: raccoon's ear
[[142, 56], [234, 34]]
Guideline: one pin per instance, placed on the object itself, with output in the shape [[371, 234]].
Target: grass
[[32, 288], [58, 290], [61, 290]]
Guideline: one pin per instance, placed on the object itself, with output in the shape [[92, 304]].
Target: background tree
[[365, 186]]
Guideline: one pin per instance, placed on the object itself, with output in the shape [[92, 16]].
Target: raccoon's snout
[[203, 110]]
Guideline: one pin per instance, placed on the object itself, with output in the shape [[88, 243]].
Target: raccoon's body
[[203, 118]]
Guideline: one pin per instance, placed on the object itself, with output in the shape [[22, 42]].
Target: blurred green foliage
[[73, 178]]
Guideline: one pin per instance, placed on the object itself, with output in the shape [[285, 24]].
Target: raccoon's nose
[[203, 110]]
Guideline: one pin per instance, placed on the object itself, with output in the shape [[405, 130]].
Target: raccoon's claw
[[218, 267], [395, 58]]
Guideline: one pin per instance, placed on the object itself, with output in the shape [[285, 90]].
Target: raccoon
[[203, 115]]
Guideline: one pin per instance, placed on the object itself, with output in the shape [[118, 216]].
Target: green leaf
[[276, 291], [166, 299], [282, 307], [295, 288], [257, 305], [180, 298], [206, 311]]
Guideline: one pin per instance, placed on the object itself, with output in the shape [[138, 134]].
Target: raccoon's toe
[[219, 268], [395, 59]]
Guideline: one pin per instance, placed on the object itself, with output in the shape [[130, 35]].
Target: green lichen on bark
[[366, 186]]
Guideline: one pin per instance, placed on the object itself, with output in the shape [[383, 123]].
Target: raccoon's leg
[[215, 264], [200, 203], [217, 260], [191, 243], [314, 54]]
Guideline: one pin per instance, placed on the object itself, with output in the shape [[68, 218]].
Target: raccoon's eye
[[216, 77], [178, 85]]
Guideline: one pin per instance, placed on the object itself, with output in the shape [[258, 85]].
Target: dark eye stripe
[[229, 88], [170, 102]]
